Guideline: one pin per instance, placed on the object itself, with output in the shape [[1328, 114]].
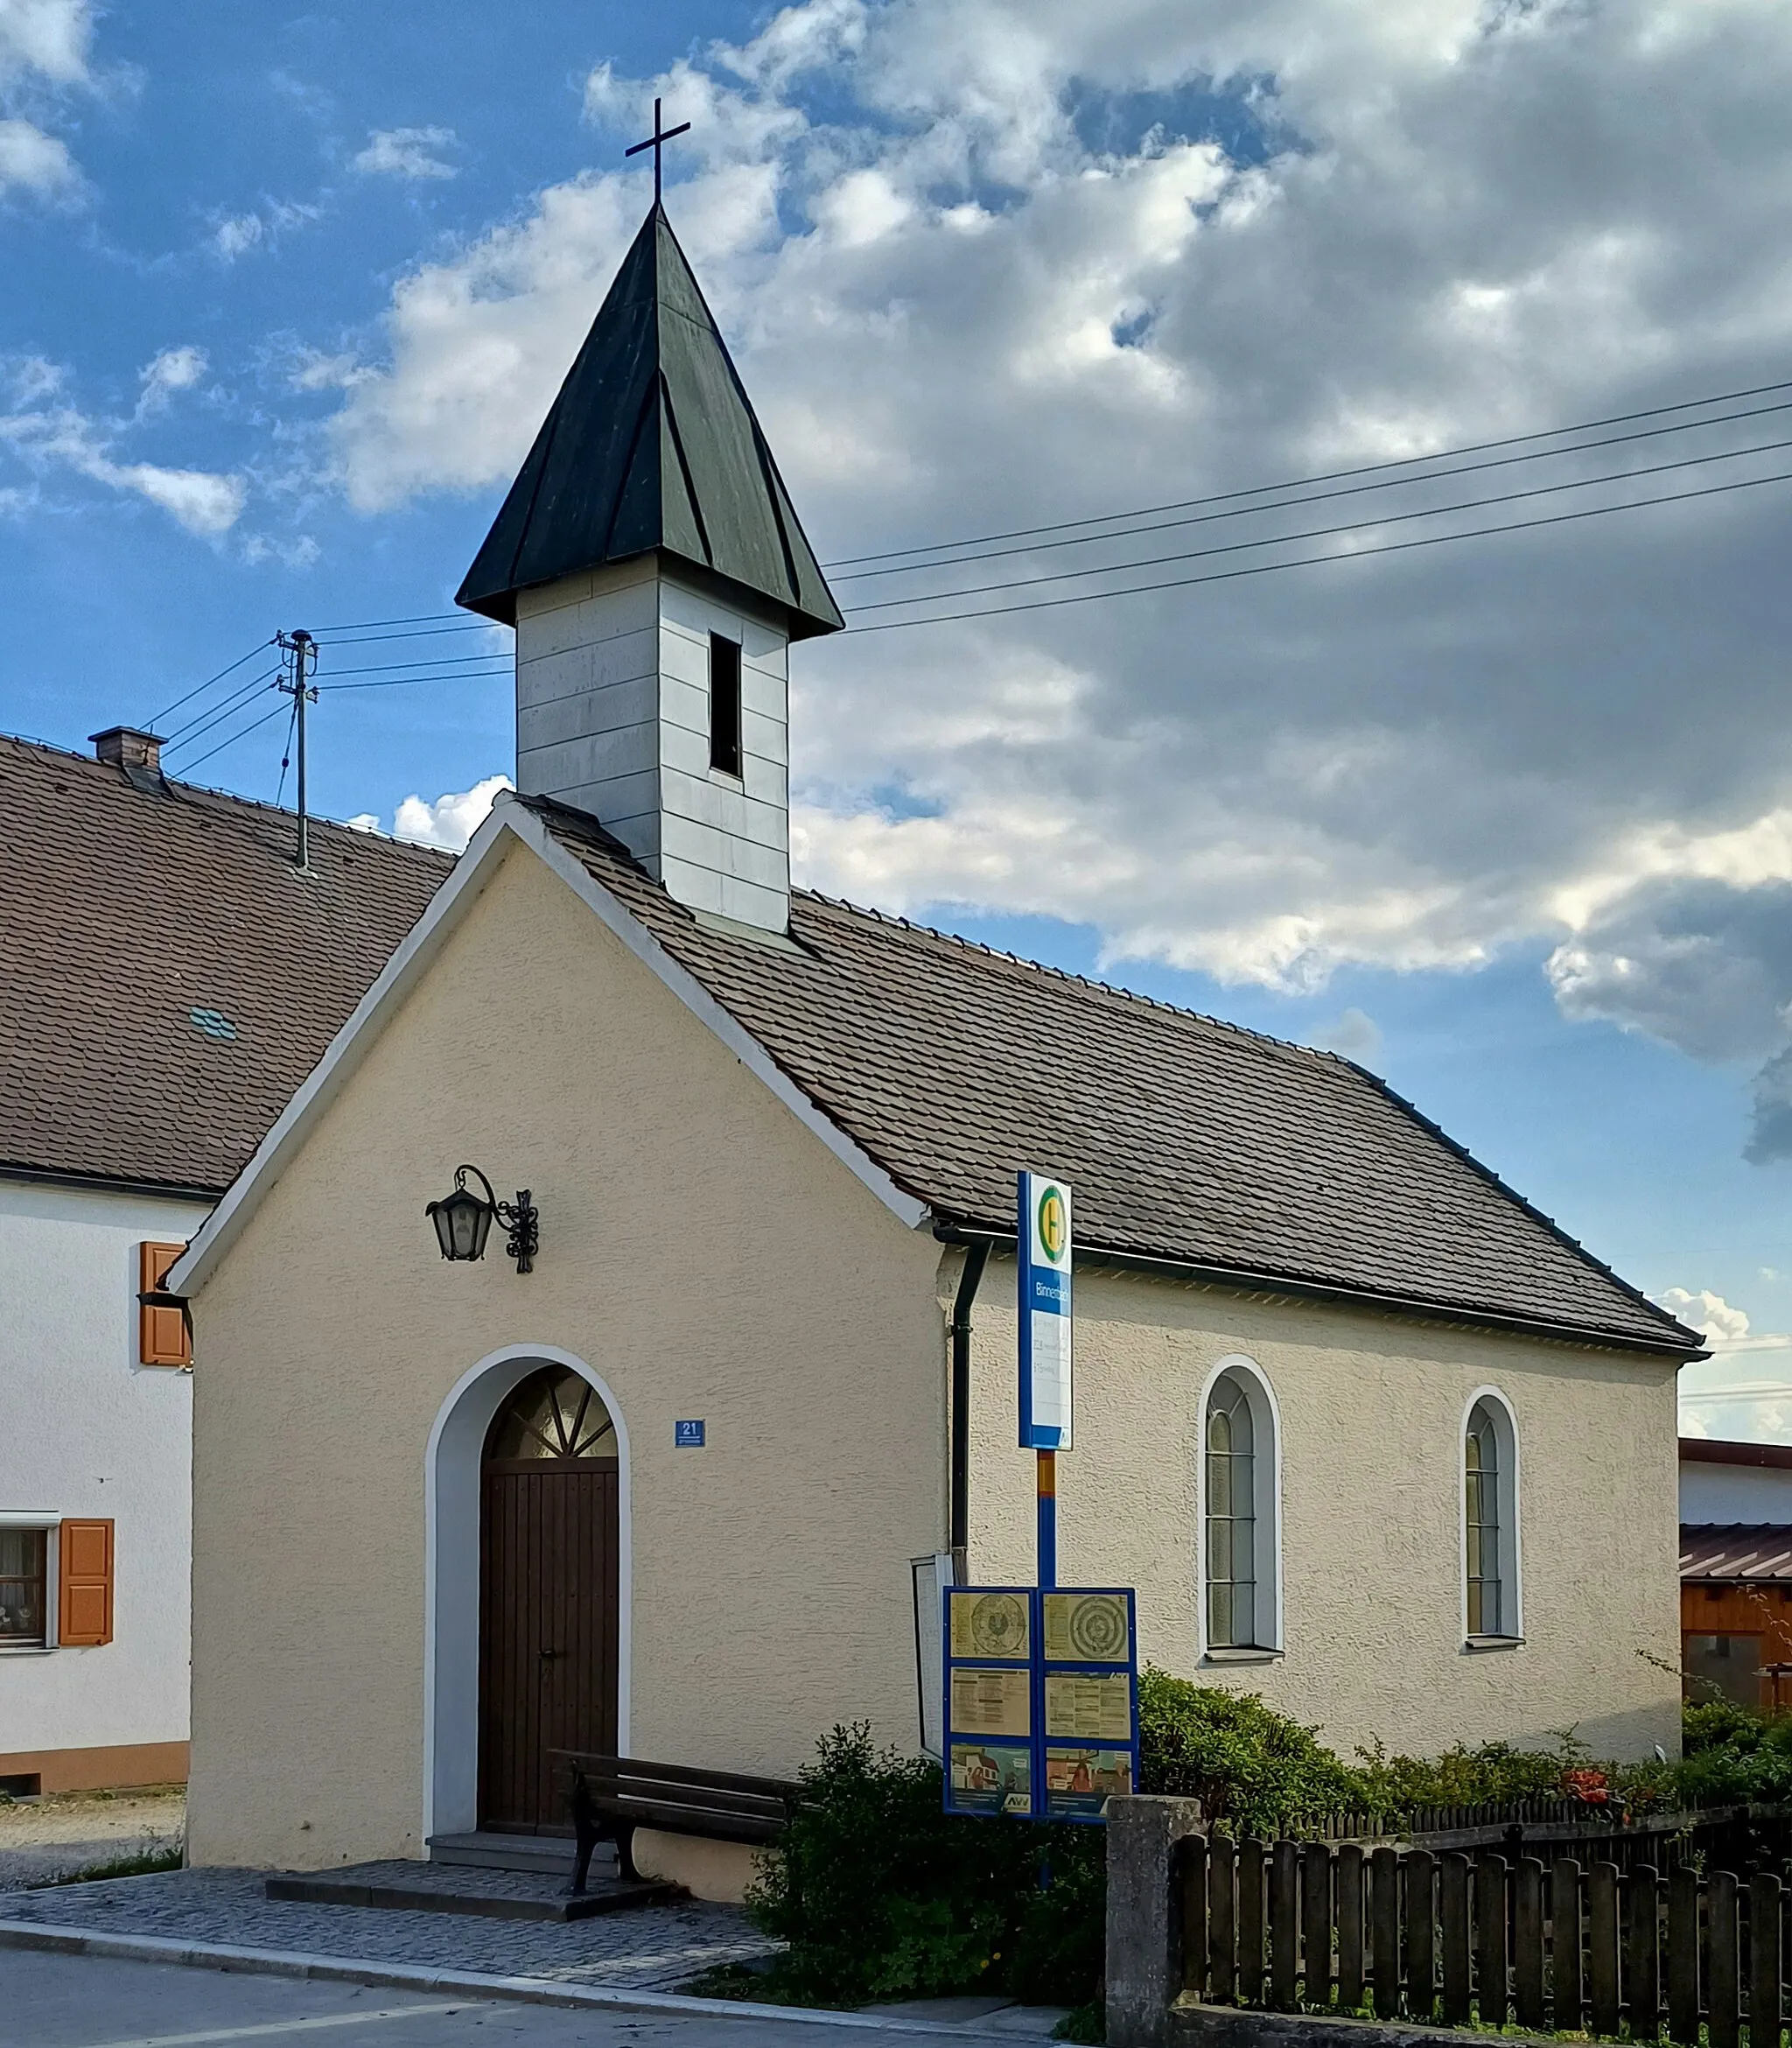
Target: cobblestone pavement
[[42, 1839], [652, 1948]]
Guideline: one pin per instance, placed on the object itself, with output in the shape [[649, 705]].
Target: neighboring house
[[1736, 1571], [1369, 1435], [166, 977]]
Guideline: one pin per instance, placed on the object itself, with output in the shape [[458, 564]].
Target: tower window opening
[[725, 705]]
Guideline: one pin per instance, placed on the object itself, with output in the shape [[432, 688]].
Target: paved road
[[100, 2002]]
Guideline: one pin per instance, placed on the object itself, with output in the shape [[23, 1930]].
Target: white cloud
[[44, 431], [1356, 1035], [172, 370], [448, 821], [239, 235], [407, 152], [31, 161], [48, 36], [1724, 1328], [986, 265]]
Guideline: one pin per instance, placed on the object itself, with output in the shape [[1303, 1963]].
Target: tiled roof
[[1185, 1140], [1724, 1552], [167, 979], [1717, 1450]]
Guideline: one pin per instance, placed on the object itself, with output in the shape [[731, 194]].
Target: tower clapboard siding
[[648, 524]]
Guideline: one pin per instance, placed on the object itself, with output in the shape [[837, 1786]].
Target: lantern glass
[[462, 1222]]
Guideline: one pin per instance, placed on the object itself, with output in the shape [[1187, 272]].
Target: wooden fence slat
[[1192, 1863], [1643, 1951], [1602, 1948], [1223, 1920], [1285, 1922], [1384, 1930], [1421, 1936], [1249, 1981], [1528, 1943], [1764, 1947], [1453, 1915], [1490, 1992], [1569, 2003], [1724, 1961], [1349, 1910], [1316, 1923], [1682, 1955]]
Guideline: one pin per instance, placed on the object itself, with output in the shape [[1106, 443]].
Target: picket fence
[[1456, 1940]]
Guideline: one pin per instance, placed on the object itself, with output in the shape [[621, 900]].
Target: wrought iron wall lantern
[[463, 1221]]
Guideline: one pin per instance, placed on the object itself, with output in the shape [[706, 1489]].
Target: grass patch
[[1085, 2024], [137, 1863]]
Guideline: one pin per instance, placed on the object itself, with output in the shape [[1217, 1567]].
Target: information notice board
[[1040, 1690]]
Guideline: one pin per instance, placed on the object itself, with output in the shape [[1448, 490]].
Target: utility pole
[[300, 689]]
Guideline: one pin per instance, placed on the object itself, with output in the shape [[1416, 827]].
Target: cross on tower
[[656, 142]]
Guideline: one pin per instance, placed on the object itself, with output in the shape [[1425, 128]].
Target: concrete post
[[1144, 1920]]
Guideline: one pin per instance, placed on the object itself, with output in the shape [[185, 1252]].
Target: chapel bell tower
[[651, 562]]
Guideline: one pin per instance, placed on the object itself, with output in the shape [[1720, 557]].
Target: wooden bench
[[609, 1797]]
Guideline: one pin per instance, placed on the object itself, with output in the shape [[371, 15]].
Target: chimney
[[138, 753]]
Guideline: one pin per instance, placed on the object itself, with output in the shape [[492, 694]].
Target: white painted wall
[[613, 716], [86, 1430], [1734, 1493]]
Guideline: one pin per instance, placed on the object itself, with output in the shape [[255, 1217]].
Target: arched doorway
[[549, 1595]]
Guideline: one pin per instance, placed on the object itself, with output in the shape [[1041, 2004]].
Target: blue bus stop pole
[[1046, 1486]]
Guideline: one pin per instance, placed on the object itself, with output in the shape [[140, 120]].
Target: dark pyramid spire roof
[[652, 443]]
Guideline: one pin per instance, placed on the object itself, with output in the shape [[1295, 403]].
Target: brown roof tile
[[124, 911], [1184, 1138], [1726, 1552]]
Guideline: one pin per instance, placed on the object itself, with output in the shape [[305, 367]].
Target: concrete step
[[548, 1854], [487, 1893]]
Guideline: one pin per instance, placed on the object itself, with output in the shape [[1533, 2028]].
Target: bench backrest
[[663, 1790]]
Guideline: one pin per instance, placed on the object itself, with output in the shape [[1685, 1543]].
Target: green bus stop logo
[[1054, 1226]]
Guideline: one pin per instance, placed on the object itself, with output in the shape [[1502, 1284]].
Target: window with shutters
[[163, 1337], [85, 1575], [23, 1555]]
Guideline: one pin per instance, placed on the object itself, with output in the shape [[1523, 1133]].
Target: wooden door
[[548, 1627]]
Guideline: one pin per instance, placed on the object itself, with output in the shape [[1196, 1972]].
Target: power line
[[412, 618], [178, 737], [1325, 532], [1426, 540], [1320, 497], [404, 682], [218, 678], [433, 662], [243, 735], [196, 729], [426, 633], [1323, 476]]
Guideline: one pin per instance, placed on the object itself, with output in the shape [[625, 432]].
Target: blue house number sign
[[688, 1435]]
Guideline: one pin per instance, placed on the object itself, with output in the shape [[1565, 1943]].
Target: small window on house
[[725, 705], [1490, 1520], [22, 1556], [1239, 1514], [1721, 1667]]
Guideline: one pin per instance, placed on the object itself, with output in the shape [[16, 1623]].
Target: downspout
[[976, 1256]]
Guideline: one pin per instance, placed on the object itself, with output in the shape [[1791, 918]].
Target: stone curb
[[273, 1962]]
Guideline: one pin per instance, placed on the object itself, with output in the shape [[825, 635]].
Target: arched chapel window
[[554, 1414], [1239, 1561], [1489, 1509]]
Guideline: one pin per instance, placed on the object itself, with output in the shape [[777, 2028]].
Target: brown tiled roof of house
[[1732, 1552], [1186, 1139], [167, 978]]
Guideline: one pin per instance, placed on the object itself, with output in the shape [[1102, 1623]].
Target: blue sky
[[1510, 822]]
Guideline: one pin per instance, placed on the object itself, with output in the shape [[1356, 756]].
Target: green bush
[[879, 1894], [1251, 1768]]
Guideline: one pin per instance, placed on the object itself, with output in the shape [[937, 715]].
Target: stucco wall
[[1372, 1409], [88, 1431], [699, 1248]]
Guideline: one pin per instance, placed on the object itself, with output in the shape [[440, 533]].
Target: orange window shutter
[[84, 1607], [163, 1337]]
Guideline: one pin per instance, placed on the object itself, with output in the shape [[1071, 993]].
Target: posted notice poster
[[1042, 1237], [1041, 1701]]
